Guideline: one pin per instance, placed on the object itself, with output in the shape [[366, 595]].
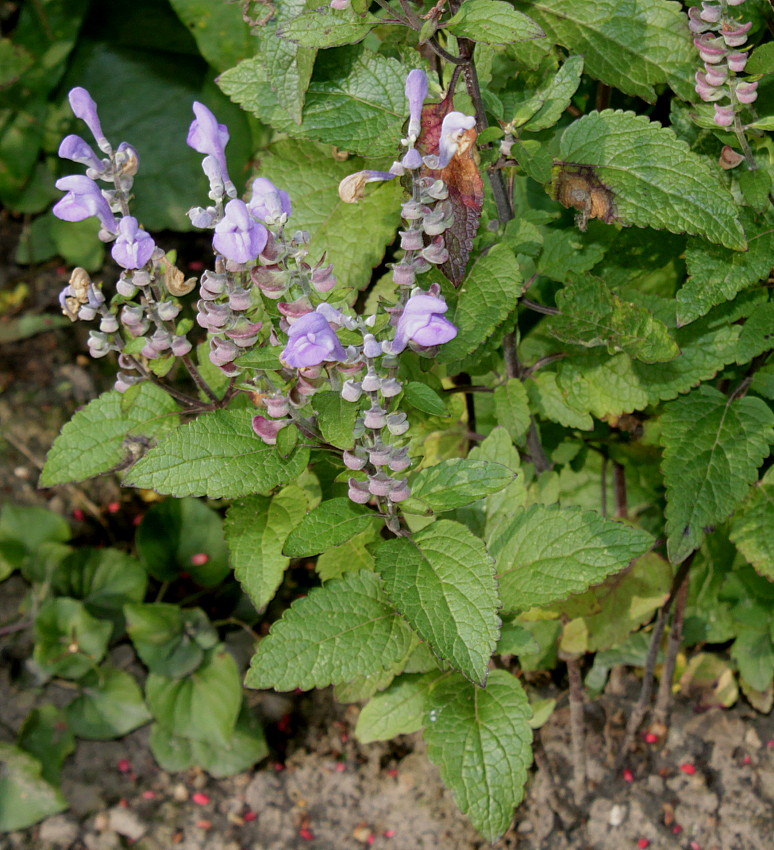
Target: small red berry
[[688, 768], [278, 766], [306, 834], [248, 816], [389, 833], [371, 838], [200, 799], [746, 760], [340, 767], [650, 738], [149, 795], [628, 776], [113, 507], [676, 829], [200, 559], [393, 771], [643, 843], [124, 765], [78, 515]]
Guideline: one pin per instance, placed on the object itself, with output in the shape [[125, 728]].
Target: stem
[[15, 627], [635, 718], [577, 731], [619, 484], [661, 709], [539, 308], [603, 496], [197, 378]]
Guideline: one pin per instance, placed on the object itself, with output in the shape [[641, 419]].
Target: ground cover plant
[[528, 432]]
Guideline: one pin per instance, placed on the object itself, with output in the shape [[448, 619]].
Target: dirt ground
[[708, 786]]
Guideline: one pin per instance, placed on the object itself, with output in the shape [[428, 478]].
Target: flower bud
[[239, 298], [180, 346], [371, 382], [747, 92], [399, 491], [736, 37], [271, 280], [99, 345], [351, 391], [167, 310], [399, 460], [397, 423], [724, 116], [267, 429], [276, 406], [380, 484], [109, 324], [411, 240], [379, 456], [403, 275], [124, 380], [737, 61], [126, 288], [436, 252], [391, 387], [126, 159], [375, 417], [358, 491], [710, 12], [213, 284], [244, 333], [355, 460], [222, 351], [371, 348]]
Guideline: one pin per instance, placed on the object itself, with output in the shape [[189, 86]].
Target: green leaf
[[360, 107], [203, 706], [712, 449], [326, 27], [338, 632], [222, 36], [455, 483], [46, 735], [547, 104], [170, 641], [216, 455], [492, 22], [256, 529], [516, 640], [511, 408], [335, 418], [442, 581], [29, 527], [717, 274], [752, 526], [110, 705], [766, 124], [544, 553], [68, 640], [424, 398], [632, 46], [25, 796], [105, 435], [398, 710], [330, 524], [755, 187], [761, 60], [487, 296], [353, 235], [548, 400], [350, 556], [592, 315], [171, 536], [654, 177], [264, 359], [753, 652], [14, 61], [480, 739]]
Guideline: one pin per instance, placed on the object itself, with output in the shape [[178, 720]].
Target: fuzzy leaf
[[487, 296], [105, 434], [424, 398], [330, 524], [216, 455], [256, 529], [326, 27], [716, 273], [752, 526], [335, 418], [480, 739], [550, 403], [397, 710], [654, 177], [350, 556], [546, 106], [632, 45], [353, 235], [544, 554], [511, 408], [712, 449], [442, 581], [592, 315], [222, 37], [455, 483], [338, 632], [492, 22]]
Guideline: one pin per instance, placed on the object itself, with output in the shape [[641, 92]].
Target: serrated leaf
[[480, 739], [717, 274], [335, 418], [109, 705], [712, 449], [338, 632], [330, 524], [442, 581], [547, 105], [25, 796], [353, 235], [266, 358], [256, 529], [752, 526], [546, 553], [326, 27], [204, 705], [222, 36], [492, 22], [547, 399], [591, 315], [103, 435], [216, 455], [360, 107], [487, 296], [455, 483], [654, 177], [350, 556], [632, 45], [761, 60], [516, 640], [511, 408], [397, 710]]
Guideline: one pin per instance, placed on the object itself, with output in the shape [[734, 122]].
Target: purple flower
[[76, 149], [267, 429], [311, 341], [724, 116], [133, 247], [453, 127], [83, 200], [206, 136], [747, 92], [267, 202], [422, 322], [83, 107], [416, 92], [238, 236]]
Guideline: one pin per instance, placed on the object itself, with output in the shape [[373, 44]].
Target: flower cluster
[[719, 38]]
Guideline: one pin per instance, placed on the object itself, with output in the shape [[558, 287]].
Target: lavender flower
[[267, 429], [422, 322], [416, 92], [206, 136], [83, 107], [83, 200], [453, 128], [267, 202], [238, 236], [76, 149], [133, 247], [311, 341]]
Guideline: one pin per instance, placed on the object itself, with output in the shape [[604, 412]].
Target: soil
[[708, 785]]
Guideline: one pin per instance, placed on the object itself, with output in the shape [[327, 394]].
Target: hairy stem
[[577, 731], [619, 485], [663, 698]]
